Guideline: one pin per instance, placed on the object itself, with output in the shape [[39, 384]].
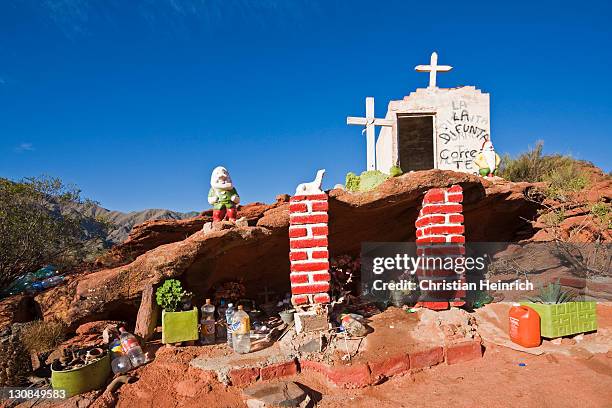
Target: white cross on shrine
[[433, 68], [369, 122]]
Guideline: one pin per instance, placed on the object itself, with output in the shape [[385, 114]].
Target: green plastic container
[[179, 326], [87, 378], [565, 319]]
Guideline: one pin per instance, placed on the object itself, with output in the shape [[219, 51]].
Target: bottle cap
[[516, 304], [240, 307], [230, 305], [208, 301]]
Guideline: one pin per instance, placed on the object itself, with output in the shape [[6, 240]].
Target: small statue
[[487, 160], [222, 195], [313, 187]]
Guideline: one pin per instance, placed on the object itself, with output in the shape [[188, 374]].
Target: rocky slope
[[257, 253]]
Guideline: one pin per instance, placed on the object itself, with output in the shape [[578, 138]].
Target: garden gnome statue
[[487, 160], [222, 195]]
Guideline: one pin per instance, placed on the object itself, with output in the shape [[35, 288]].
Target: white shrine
[[432, 128]]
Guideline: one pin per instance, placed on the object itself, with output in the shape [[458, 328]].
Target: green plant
[[43, 221], [602, 211], [395, 171], [40, 336], [170, 294], [553, 293], [352, 181]]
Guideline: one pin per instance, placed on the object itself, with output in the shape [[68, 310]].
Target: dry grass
[[41, 336]]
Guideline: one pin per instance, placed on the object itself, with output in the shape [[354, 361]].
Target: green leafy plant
[[395, 171], [170, 295], [553, 293]]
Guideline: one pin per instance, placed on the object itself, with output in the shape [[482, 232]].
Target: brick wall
[[309, 256], [440, 234]]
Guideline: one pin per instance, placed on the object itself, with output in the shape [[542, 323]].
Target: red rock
[[244, 376], [279, 370], [464, 351], [426, 358], [96, 327], [390, 366]]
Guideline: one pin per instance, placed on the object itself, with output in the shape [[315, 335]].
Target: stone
[[279, 394], [148, 314], [311, 322]]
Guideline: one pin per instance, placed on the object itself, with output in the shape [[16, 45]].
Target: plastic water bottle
[[229, 314], [121, 364], [241, 331], [208, 323], [131, 348], [221, 331], [52, 281]]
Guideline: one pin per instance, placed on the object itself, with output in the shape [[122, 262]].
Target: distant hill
[[123, 222]]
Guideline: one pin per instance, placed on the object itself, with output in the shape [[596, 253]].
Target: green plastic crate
[[179, 326], [565, 319]]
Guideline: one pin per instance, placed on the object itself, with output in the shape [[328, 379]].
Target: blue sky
[[136, 102]]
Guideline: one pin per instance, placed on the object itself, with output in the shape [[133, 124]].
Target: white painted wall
[[462, 123]]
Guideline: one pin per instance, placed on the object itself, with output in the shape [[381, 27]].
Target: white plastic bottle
[[207, 323], [131, 348], [229, 314], [241, 331]]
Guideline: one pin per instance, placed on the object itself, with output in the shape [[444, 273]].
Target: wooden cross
[[433, 68], [369, 122]]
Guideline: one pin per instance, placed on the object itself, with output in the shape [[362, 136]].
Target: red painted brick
[[297, 232], [353, 376], [322, 298], [431, 219], [426, 358], [299, 277], [455, 198], [464, 351], [243, 376], [444, 250], [321, 277], [455, 189], [279, 370], [390, 366], [319, 231], [309, 197], [457, 239], [309, 219], [319, 206], [430, 240], [455, 218], [300, 299], [445, 229], [312, 288], [458, 303], [308, 243], [442, 209], [310, 267], [298, 255], [320, 254], [298, 207], [434, 197]]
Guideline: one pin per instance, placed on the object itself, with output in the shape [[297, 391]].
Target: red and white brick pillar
[[440, 234], [309, 257]]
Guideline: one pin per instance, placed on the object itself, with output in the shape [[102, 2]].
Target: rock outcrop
[[257, 254]]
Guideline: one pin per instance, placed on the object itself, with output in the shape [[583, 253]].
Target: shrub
[[352, 181], [395, 171], [169, 295], [40, 336], [562, 174], [553, 293], [43, 221]]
